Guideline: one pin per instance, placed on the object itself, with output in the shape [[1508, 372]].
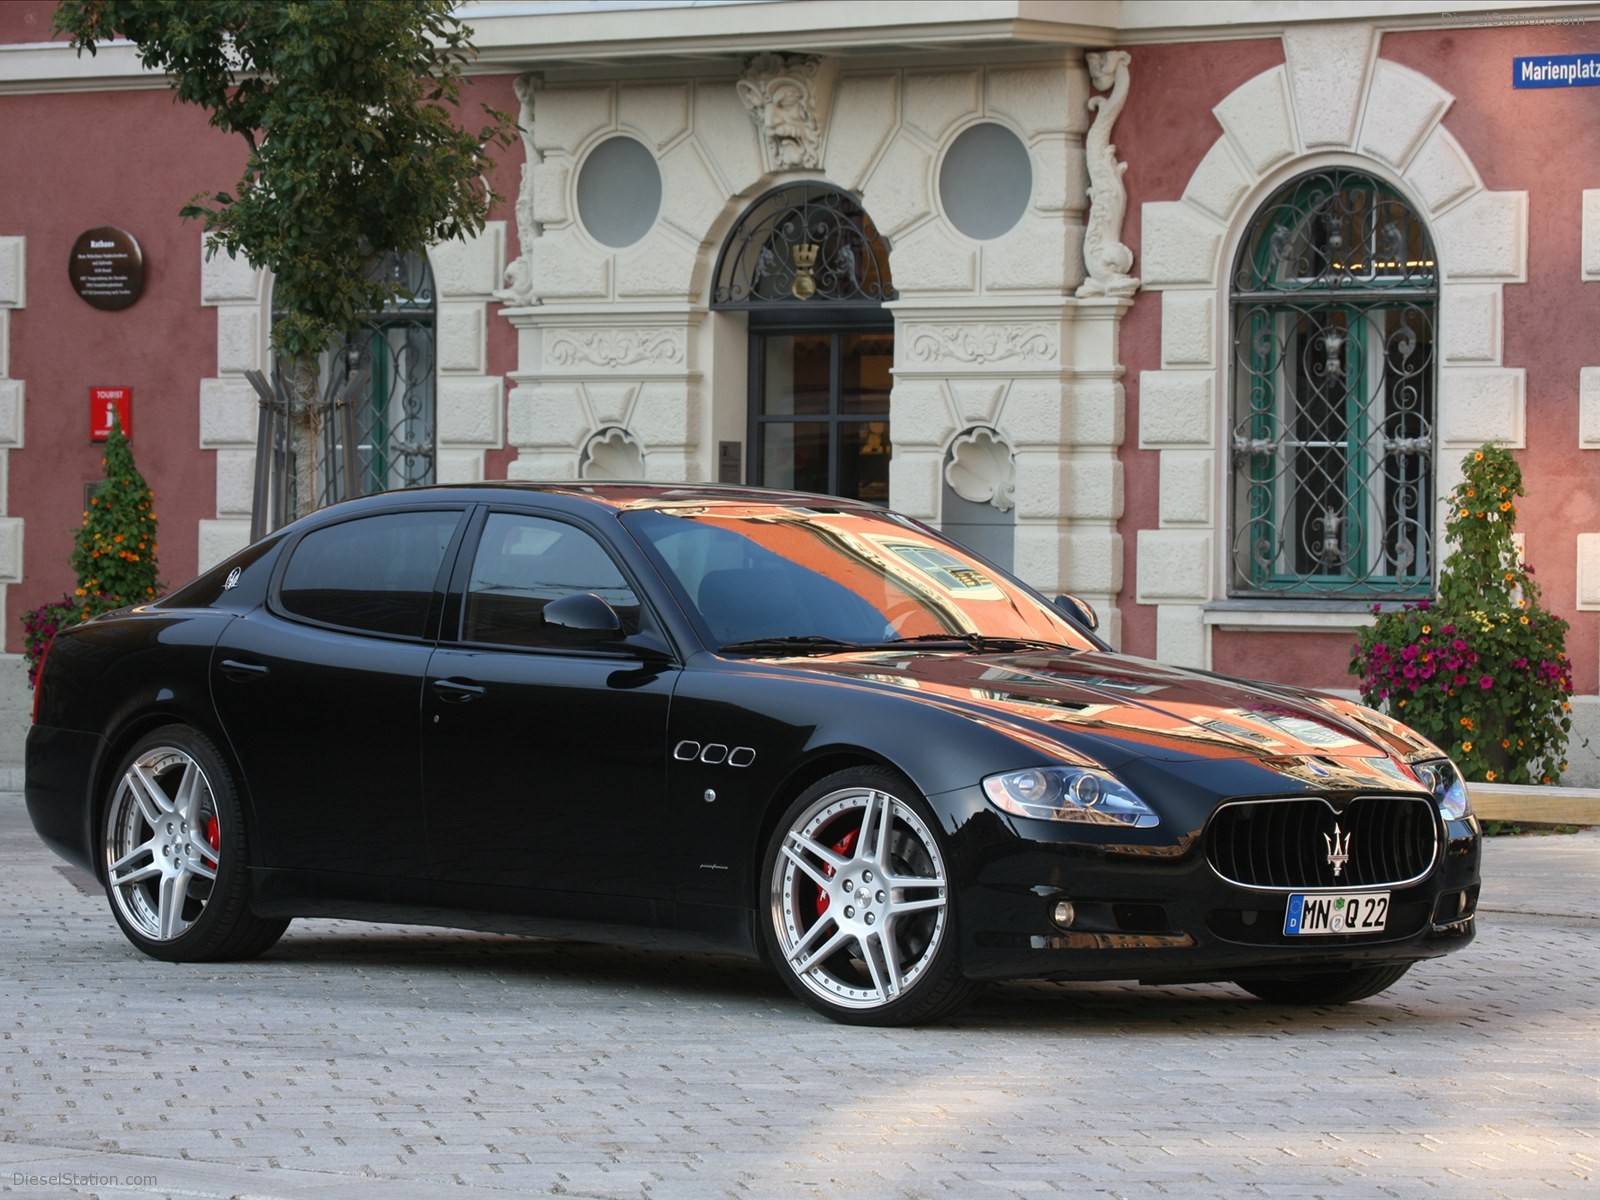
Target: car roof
[[618, 496]]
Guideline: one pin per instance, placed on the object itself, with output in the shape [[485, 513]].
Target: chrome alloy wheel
[[859, 898], [162, 843]]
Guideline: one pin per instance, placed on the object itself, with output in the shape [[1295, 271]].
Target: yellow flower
[[1466, 747], [1524, 620], [1462, 513], [1489, 775], [1466, 722], [1505, 743], [1478, 457], [1506, 506]]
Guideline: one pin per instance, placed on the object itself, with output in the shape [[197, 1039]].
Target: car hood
[[1114, 708]]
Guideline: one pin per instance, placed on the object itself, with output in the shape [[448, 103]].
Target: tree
[[114, 551], [113, 554], [346, 106]]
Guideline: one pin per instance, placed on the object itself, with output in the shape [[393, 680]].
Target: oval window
[[985, 181], [619, 192]]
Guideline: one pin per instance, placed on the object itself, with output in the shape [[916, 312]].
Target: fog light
[[1063, 914]]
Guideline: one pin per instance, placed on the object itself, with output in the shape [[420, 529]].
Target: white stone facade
[[1335, 101], [13, 295], [470, 401], [624, 343]]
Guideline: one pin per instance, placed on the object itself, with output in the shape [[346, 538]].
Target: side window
[[523, 563], [376, 574]]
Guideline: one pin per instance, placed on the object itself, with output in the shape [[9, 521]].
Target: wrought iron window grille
[[1332, 442], [803, 244]]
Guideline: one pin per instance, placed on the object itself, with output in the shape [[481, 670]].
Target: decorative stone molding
[[613, 453], [787, 95], [981, 469], [1105, 258], [642, 348], [519, 272], [1333, 101], [981, 345]]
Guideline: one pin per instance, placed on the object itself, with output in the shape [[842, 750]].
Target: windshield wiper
[[809, 643], [983, 643]]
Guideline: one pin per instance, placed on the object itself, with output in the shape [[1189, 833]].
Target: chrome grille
[[1389, 841]]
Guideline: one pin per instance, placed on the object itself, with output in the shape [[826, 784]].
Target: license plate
[[1353, 912]]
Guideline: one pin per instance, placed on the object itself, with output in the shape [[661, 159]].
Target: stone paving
[[436, 1064]]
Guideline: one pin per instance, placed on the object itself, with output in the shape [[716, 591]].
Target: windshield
[[757, 573]]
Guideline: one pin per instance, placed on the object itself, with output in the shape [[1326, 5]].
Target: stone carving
[[1105, 259], [982, 470], [612, 454], [787, 96], [519, 271], [614, 347], [979, 344]]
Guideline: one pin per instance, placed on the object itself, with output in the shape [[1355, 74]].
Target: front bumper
[[1159, 913]]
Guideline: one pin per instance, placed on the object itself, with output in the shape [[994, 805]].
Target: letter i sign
[[107, 404]]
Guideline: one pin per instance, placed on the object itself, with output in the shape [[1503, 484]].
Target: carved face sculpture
[[785, 119]]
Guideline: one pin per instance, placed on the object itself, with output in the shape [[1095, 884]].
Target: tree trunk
[[305, 419]]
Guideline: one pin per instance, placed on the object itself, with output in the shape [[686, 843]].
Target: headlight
[[1069, 794], [1448, 788]]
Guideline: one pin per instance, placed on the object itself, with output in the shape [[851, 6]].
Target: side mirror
[[1080, 612], [582, 619]]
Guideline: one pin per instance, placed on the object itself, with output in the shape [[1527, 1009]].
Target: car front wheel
[[174, 853], [861, 919]]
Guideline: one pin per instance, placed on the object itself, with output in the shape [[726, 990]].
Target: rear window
[[376, 574]]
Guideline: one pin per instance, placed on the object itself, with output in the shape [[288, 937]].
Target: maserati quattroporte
[[785, 726]]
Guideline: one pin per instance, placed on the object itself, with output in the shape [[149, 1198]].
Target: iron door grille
[[1290, 844]]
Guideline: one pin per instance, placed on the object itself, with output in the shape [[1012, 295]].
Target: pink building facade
[[1084, 216]]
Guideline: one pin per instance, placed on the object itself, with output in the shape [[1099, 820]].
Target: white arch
[[1334, 100]]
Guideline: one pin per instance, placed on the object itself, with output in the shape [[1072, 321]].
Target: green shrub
[[113, 554]]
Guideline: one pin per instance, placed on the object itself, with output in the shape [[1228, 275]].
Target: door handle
[[454, 691], [243, 672]]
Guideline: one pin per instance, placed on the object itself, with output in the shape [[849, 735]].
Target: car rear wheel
[[174, 853], [861, 919], [1328, 987]]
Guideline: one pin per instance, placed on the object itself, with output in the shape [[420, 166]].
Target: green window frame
[[1333, 301]]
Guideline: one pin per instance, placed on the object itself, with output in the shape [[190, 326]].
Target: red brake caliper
[[844, 846], [213, 833]]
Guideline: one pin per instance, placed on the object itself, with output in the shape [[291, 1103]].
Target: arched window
[[1333, 300], [383, 434], [812, 272]]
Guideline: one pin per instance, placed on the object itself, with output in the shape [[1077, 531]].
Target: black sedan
[[777, 725]]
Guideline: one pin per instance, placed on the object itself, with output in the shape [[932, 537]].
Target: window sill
[[1288, 616]]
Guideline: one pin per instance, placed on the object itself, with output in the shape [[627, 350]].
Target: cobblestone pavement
[[462, 1065]]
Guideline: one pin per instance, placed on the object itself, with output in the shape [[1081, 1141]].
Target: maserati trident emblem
[[1338, 849]]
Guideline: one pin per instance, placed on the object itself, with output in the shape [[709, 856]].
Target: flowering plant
[[113, 553], [39, 625], [1483, 672]]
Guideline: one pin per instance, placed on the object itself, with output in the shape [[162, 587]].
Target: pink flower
[[1486, 682]]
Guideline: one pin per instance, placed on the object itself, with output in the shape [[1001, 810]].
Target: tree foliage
[[346, 106]]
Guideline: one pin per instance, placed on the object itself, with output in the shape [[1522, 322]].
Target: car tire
[[1328, 987], [174, 853], [860, 914]]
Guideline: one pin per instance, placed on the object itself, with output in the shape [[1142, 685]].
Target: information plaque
[[107, 267]]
